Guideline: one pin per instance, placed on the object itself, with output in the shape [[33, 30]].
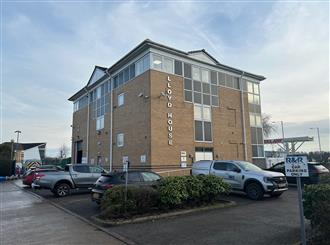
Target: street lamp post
[[283, 137], [16, 147]]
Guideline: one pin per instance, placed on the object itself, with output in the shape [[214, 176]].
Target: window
[[206, 88], [214, 79], [198, 112], [197, 98], [187, 90], [148, 176], [157, 61], [120, 140], [187, 84], [199, 131], [215, 100], [197, 86], [196, 73], [203, 125], [220, 166], [229, 81], [132, 71], [121, 99], [187, 70], [206, 99], [81, 168], [205, 76], [100, 122], [95, 169], [188, 96], [178, 67], [168, 65], [236, 82], [126, 74], [222, 79], [134, 177], [142, 65]]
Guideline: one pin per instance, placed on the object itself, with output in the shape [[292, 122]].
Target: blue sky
[[49, 50]]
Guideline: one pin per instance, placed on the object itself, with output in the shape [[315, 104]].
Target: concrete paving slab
[[27, 219]]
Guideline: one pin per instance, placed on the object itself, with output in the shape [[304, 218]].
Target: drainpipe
[[243, 117], [87, 138], [111, 121]]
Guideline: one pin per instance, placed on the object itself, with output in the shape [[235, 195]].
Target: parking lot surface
[[269, 221]]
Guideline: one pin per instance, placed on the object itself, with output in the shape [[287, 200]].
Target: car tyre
[[254, 191], [61, 190], [276, 194]]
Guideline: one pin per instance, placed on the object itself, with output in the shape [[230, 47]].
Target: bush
[[317, 210], [186, 190], [140, 199], [325, 178]]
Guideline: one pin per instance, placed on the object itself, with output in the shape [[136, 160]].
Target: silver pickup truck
[[74, 176], [244, 176]]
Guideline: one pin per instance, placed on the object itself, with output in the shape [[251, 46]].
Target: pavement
[[269, 221], [26, 218]]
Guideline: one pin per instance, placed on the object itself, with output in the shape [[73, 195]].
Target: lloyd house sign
[[169, 112]]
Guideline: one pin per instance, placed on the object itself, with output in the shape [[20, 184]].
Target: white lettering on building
[[169, 114]]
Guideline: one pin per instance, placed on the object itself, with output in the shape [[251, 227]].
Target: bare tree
[[268, 127], [63, 151]]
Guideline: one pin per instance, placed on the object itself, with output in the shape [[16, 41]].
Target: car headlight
[[268, 180]]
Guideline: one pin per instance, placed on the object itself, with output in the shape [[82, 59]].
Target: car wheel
[[62, 190], [254, 191], [276, 194]]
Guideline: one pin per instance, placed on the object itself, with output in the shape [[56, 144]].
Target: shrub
[[317, 210], [186, 190], [140, 199], [325, 178]]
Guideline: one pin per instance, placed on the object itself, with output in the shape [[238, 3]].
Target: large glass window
[[100, 122], [178, 67], [157, 61], [196, 73], [187, 70], [168, 65], [188, 90], [205, 75], [120, 140], [121, 99], [203, 124]]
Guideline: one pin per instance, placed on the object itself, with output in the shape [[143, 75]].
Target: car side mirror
[[237, 170]]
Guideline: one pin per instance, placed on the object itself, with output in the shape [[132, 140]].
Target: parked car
[[315, 170], [30, 175], [107, 181], [74, 176], [244, 176]]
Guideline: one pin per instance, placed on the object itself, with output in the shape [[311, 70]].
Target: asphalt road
[[269, 221]]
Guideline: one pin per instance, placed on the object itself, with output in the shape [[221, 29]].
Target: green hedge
[[317, 210], [190, 190], [172, 192], [140, 199]]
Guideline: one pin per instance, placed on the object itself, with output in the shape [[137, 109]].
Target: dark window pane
[[261, 151], [120, 78], [206, 88], [178, 67], [134, 177], [206, 99], [215, 101], [254, 135], [187, 84], [197, 86], [197, 98], [236, 82], [188, 95], [257, 109], [187, 70], [222, 79], [254, 151], [132, 71], [244, 84], [81, 168], [229, 81], [198, 130], [115, 81], [259, 135], [214, 77], [207, 131], [126, 74], [214, 90], [220, 166]]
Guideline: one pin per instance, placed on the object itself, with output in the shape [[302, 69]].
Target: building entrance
[[202, 153]]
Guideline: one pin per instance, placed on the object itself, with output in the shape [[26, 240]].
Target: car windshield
[[247, 166]]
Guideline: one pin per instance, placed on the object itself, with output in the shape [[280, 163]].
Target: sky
[[49, 50]]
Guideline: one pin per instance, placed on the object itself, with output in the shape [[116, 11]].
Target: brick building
[[162, 108]]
